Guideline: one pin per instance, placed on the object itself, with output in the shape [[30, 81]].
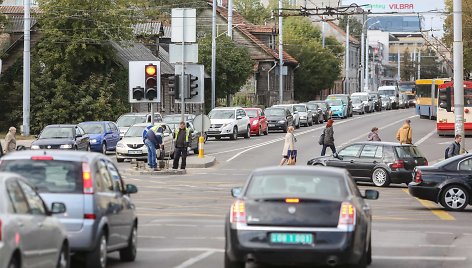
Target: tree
[[319, 67], [355, 26], [233, 65], [252, 10], [407, 69], [430, 65]]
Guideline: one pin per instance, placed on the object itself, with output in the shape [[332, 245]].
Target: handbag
[[292, 157], [321, 139]]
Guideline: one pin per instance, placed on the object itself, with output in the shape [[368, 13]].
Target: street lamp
[[365, 53]]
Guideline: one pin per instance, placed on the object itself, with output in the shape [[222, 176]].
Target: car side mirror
[[371, 194], [236, 192], [239, 117], [336, 155], [58, 208], [78, 136], [166, 134], [131, 189], [296, 112]]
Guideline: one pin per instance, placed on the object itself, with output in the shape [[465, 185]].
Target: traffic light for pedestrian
[[150, 86], [174, 86]]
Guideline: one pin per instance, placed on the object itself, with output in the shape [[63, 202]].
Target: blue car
[[338, 108], [104, 135]]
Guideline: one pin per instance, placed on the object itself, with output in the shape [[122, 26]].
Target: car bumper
[[275, 126], [337, 114], [255, 129], [124, 153], [97, 147], [219, 132], [401, 176], [255, 245], [85, 238], [423, 192], [358, 110]]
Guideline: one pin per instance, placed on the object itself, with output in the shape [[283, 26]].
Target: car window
[[104, 180], [114, 127], [466, 165], [34, 201], [369, 151], [350, 151], [379, 152], [48, 176], [408, 152], [108, 128], [57, 133], [93, 128], [116, 178], [17, 198]]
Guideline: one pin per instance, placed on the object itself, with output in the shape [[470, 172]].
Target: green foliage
[[355, 26], [466, 30], [252, 10], [161, 9], [430, 65], [242, 100], [233, 64], [407, 69], [319, 67]]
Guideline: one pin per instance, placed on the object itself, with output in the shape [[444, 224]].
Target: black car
[[377, 101], [299, 216], [448, 182], [278, 118], [316, 112], [325, 108], [379, 162], [65, 137]]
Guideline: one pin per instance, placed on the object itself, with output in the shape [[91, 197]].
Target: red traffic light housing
[[150, 87]]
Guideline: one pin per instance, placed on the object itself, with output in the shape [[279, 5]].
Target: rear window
[[48, 176], [296, 185], [408, 152]]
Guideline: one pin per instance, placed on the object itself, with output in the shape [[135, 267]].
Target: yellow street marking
[[443, 215]]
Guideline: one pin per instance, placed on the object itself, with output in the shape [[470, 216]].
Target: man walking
[[455, 147], [404, 134], [10, 140], [181, 145], [153, 141]]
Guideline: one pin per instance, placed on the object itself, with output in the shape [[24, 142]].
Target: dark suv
[[278, 118], [380, 162]]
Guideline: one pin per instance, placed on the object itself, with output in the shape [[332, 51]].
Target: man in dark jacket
[[153, 141], [181, 145], [455, 147]]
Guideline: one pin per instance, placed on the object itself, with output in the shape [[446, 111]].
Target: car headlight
[[34, 147], [282, 122], [226, 125], [255, 122], [120, 145], [66, 146], [93, 141]]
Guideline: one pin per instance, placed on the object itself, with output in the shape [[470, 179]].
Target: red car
[[258, 121]]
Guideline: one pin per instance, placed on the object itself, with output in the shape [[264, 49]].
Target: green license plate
[[287, 238]]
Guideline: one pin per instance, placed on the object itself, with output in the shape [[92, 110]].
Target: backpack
[[446, 153]]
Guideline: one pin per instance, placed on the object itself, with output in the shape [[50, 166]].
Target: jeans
[[151, 154], [180, 152], [323, 151]]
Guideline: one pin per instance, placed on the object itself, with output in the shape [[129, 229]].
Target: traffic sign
[[201, 123]]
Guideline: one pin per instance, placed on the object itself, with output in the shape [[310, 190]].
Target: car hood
[[132, 140], [52, 141], [221, 121], [96, 136], [303, 113], [320, 159], [337, 107], [123, 130], [275, 117], [253, 119]]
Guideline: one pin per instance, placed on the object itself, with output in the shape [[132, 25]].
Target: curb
[[155, 173], [211, 162]]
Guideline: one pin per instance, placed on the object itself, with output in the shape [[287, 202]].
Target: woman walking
[[374, 135], [328, 139], [289, 145]]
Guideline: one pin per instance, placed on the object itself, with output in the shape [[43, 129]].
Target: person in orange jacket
[[404, 134]]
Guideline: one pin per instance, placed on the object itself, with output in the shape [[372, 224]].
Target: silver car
[[306, 116], [101, 216], [29, 235]]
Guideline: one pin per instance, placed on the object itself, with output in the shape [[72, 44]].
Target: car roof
[[319, 170], [387, 87], [61, 125], [78, 156], [388, 143], [227, 108], [147, 124], [95, 122]]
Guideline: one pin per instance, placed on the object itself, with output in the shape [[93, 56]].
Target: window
[[17, 198], [369, 151], [35, 202], [379, 152], [106, 182], [466, 165], [350, 151], [114, 127], [117, 182], [108, 128]]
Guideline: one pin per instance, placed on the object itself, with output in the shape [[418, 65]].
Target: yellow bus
[[427, 96]]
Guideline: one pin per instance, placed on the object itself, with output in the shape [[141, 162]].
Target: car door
[[369, 158], [193, 135], [347, 158], [27, 233], [465, 169], [289, 116], [49, 239], [263, 120], [125, 215], [81, 139], [241, 122], [114, 136], [167, 139]]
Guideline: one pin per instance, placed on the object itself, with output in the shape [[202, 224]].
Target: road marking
[[412, 246], [420, 258], [196, 259], [443, 215], [214, 250], [425, 137]]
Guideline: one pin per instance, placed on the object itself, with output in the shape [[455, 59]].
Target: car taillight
[[90, 216], [397, 164], [347, 215], [238, 212], [418, 178], [42, 158], [87, 178]]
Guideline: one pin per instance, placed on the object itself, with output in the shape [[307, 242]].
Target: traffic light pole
[[458, 71], [26, 69], [182, 84]]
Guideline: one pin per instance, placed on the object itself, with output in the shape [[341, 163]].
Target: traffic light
[[150, 86], [138, 93], [174, 86], [193, 86], [445, 99]]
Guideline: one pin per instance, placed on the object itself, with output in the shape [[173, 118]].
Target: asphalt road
[[181, 217]]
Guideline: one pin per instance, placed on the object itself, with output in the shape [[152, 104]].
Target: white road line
[[214, 250], [419, 258], [425, 137], [196, 259]]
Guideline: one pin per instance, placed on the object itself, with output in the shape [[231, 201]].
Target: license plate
[[135, 152], [271, 125], [288, 238]]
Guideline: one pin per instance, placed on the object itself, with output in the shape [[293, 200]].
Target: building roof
[[341, 31], [16, 10], [148, 28], [16, 24]]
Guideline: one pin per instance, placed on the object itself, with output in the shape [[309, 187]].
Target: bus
[[409, 89], [445, 113], [426, 103]]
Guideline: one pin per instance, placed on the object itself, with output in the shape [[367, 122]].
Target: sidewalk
[[139, 168]]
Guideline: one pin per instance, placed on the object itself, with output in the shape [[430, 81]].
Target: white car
[[366, 99], [131, 146], [293, 110], [229, 122], [129, 119]]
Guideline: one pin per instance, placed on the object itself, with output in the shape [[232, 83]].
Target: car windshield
[[95, 128], [362, 97], [411, 97], [388, 92], [385, 98], [135, 131], [335, 102], [173, 118], [356, 100], [221, 114], [296, 185], [274, 112], [251, 113], [57, 133], [312, 107], [129, 120], [322, 105], [300, 108], [408, 152], [48, 176]]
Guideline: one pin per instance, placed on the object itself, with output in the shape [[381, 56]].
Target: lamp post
[[365, 54]]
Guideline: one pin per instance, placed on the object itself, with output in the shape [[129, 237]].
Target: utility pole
[[213, 55], [363, 44], [281, 54], [458, 71], [182, 81], [323, 35], [419, 64], [230, 19], [366, 71], [26, 68], [398, 64], [346, 60]]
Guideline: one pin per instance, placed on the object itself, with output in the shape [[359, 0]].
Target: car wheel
[[128, 254], [259, 132], [97, 258], [454, 198], [233, 264], [317, 121], [234, 136], [195, 151], [88, 148], [369, 253], [380, 177], [285, 128], [104, 148], [14, 263], [248, 133], [120, 160], [64, 259], [362, 262]]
